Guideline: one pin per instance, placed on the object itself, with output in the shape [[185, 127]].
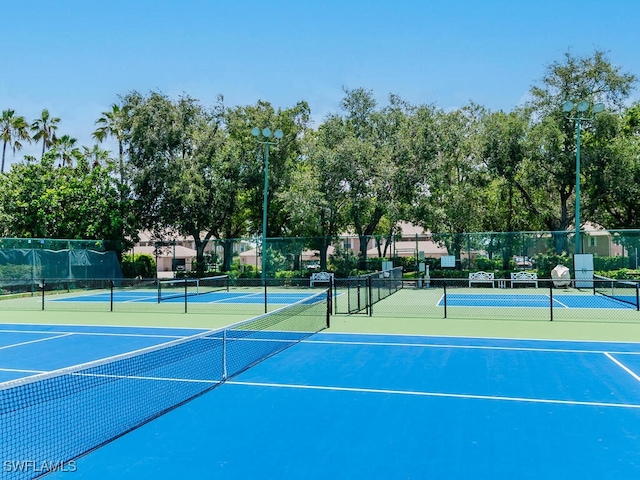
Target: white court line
[[542, 340], [470, 347], [96, 333], [97, 325], [439, 394], [239, 296], [137, 299], [35, 341], [20, 370], [558, 301], [622, 366]]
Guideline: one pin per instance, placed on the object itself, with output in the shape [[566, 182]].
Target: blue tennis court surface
[[151, 296], [373, 406], [27, 350], [536, 301]]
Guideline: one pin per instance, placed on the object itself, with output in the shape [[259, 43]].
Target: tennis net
[[626, 291], [385, 283], [49, 419], [179, 288]]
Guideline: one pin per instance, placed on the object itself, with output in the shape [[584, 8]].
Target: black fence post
[[370, 299], [444, 282], [329, 293], [43, 293], [333, 292], [266, 305], [551, 301], [111, 294], [186, 294]]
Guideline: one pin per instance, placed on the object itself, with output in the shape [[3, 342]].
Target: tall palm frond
[[13, 131], [44, 128]]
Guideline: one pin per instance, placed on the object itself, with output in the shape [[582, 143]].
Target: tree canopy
[[186, 168]]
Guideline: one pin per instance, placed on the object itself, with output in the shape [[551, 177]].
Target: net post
[[186, 293], [550, 301], [329, 290], [42, 293], [227, 281], [637, 297], [111, 295], [266, 309], [370, 290], [445, 297], [224, 355], [332, 289], [330, 295], [159, 290]]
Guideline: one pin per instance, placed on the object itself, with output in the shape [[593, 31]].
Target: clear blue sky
[[75, 57]]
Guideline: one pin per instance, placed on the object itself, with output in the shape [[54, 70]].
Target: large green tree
[[42, 200], [186, 172], [453, 195], [283, 159], [374, 165], [503, 150], [613, 171], [551, 173], [316, 200]]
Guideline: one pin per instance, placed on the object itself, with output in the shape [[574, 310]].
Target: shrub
[[547, 262], [622, 274], [607, 264], [140, 265]]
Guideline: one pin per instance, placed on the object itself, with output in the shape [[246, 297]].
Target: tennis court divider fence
[[364, 291], [601, 298], [219, 293], [545, 299], [60, 415]]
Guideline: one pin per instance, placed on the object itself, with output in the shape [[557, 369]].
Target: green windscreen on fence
[[35, 264]]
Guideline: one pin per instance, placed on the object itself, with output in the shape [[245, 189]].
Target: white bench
[[321, 277], [481, 277], [524, 277]]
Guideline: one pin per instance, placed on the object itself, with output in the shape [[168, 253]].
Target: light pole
[[266, 134], [581, 108]]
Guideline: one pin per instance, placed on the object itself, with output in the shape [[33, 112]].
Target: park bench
[[481, 277], [321, 277], [524, 277]]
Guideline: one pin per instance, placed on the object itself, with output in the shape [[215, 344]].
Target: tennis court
[[282, 396], [537, 300], [337, 405], [389, 406], [146, 296]]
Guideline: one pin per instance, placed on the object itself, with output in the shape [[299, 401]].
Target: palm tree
[[66, 149], [112, 123], [13, 130], [44, 129], [96, 156]]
